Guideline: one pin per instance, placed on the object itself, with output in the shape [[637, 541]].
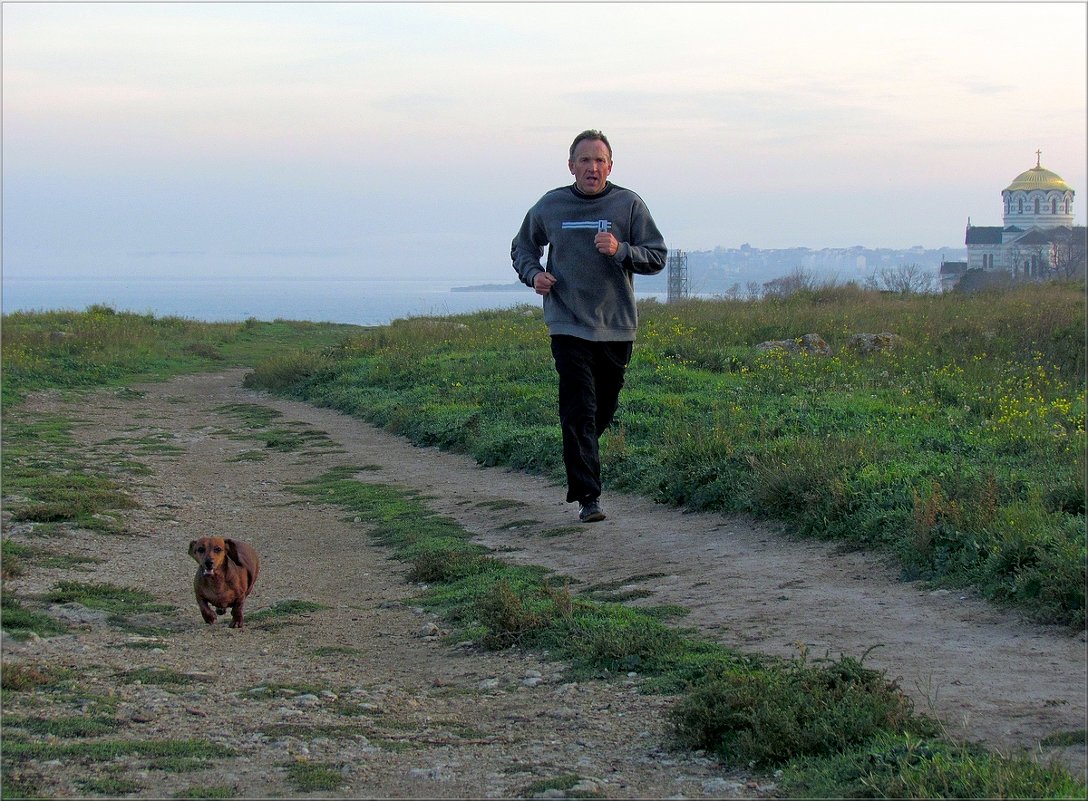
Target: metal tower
[[678, 276]]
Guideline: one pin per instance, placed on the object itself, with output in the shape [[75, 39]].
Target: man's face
[[590, 166]]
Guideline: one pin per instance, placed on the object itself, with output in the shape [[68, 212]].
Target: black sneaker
[[590, 512]]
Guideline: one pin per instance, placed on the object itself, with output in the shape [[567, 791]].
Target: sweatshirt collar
[[607, 188]]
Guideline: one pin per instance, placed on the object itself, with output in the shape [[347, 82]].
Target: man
[[598, 236]]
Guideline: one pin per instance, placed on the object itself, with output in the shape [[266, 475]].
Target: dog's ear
[[232, 551], [192, 548]]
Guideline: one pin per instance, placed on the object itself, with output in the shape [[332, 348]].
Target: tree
[[905, 279], [800, 279], [1069, 253]]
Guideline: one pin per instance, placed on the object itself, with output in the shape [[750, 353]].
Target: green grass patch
[[106, 597], [17, 557], [20, 622], [111, 786], [904, 766], [336, 650], [312, 777], [283, 610], [1064, 739], [108, 750], [258, 423], [769, 715], [212, 791], [63, 727], [280, 690], [157, 676]]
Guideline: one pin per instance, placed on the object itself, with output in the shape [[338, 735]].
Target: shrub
[[765, 717]]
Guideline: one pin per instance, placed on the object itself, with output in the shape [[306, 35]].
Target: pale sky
[[341, 140]]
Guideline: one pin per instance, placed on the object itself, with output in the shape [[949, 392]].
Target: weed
[[284, 609], [214, 791], [29, 678], [1065, 738], [20, 622], [11, 555], [336, 650], [111, 786], [63, 727], [107, 597], [156, 676], [906, 766], [309, 777], [107, 750]]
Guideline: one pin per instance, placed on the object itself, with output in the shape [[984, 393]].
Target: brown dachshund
[[228, 570]]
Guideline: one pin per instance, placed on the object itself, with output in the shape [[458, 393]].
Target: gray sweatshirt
[[594, 294]]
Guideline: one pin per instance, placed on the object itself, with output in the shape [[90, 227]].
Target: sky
[[365, 140]]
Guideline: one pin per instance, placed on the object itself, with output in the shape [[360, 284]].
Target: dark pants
[[590, 379]]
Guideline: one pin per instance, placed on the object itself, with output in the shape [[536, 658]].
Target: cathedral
[[1038, 239]]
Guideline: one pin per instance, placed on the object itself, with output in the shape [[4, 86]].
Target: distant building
[[950, 273], [1038, 239]]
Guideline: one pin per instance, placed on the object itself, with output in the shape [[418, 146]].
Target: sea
[[370, 301]]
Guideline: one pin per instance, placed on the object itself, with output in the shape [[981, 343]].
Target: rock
[[864, 344], [429, 630], [723, 788], [586, 787], [810, 344], [78, 614]]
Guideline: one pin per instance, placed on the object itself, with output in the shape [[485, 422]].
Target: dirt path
[[491, 724]]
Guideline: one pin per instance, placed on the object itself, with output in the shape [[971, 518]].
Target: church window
[[1053, 205], [1020, 206], [1036, 205]]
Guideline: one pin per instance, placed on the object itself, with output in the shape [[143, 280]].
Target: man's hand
[[543, 283], [606, 243]]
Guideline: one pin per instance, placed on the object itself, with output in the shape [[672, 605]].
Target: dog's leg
[[206, 611], [236, 621]]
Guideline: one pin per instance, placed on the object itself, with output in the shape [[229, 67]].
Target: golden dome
[[1038, 178]]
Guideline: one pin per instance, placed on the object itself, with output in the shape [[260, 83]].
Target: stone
[[865, 344], [810, 344]]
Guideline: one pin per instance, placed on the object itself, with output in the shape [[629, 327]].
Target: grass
[[811, 719], [283, 611], [107, 597], [20, 623], [311, 777], [961, 451]]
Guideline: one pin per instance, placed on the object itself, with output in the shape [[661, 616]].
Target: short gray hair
[[592, 134]]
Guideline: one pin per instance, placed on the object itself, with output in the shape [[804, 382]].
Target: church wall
[[1020, 208], [985, 257]]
